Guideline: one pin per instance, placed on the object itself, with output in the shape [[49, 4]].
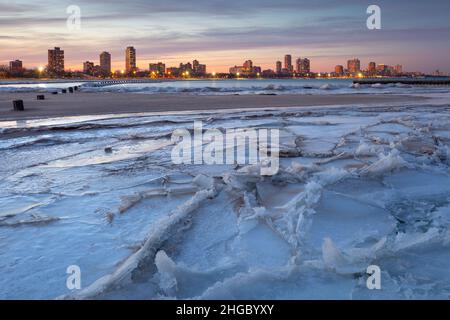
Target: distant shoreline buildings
[[130, 60], [55, 65], [301, 69]]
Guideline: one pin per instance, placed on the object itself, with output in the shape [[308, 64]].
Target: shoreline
[[100, 103]]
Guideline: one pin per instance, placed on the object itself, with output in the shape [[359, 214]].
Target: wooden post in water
[[18, 105]]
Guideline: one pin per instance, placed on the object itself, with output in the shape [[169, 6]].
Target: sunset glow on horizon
[[223, 34]]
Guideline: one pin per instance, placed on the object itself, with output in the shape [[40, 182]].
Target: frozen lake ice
[[356, 187]]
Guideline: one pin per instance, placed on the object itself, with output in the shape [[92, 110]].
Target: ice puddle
[[356, 187]]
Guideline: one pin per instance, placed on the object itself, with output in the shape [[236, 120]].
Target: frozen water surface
[[357, 186]]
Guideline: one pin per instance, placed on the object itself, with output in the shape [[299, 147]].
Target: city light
[[194, 69]]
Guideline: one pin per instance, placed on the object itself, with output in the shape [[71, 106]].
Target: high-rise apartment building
[[288, 63], [354, 66], [105, 63], [372, 69], [130, 60], [303, 66], [278, 67], [195, 65], [55, 61], [297, 65]]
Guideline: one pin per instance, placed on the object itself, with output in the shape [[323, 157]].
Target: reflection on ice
[[119, 152], [356, 187]]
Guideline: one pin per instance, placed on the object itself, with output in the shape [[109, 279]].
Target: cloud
[[172, 28]]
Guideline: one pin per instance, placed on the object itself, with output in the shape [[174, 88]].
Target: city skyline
[[220, 33], [301, 67]]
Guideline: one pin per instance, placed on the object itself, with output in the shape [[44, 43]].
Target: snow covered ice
[[356, 187]]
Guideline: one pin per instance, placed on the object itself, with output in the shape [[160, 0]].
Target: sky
[[224, 33]]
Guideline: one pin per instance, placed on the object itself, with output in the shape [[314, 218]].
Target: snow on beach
[[356, 187]]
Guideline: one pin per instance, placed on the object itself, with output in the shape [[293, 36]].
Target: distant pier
[[416, 82]]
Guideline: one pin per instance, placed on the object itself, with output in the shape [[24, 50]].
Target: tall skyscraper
[[55, 61], [278, 67], [288, 63], [130, 60], [105, 63], [306, 65], [303, 66], [15, 67], [372, 69], [195, 65], [298, 63], [354, 66]]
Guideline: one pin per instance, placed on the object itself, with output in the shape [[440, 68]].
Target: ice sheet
[[357, 186]]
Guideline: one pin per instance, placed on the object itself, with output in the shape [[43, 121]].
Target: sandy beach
[[81, 103]]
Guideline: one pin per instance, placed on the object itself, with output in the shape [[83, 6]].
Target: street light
[[40, 70]]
